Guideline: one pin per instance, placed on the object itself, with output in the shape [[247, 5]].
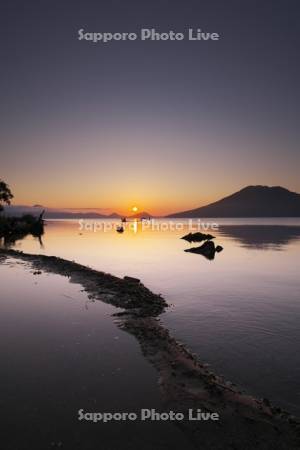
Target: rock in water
[[197, 237]]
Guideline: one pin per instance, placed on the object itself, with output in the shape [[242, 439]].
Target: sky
[[163, 125]]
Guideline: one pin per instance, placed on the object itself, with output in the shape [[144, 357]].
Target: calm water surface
[[61, 352], [239, 312]]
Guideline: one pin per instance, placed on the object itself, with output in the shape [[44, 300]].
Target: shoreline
[[185, 382]]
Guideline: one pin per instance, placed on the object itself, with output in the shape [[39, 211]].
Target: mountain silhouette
[[19, 210], [252, 201], [114, 216], [140, 215], [71, 215]]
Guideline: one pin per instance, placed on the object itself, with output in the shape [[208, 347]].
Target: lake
[[240, 312]]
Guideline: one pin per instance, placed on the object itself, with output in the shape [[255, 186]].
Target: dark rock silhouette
[[252, 201], [197, 237]]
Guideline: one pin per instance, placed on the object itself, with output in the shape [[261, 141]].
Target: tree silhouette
[[5, 194]]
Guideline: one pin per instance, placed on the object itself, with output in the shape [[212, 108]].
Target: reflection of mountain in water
[[262, 236]]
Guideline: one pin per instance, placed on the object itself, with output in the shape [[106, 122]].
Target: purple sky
[[164, 125]]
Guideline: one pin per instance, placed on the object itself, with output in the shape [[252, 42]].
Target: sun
[[134, 208]]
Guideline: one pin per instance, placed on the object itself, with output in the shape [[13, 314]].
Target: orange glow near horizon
[[165, 196], [154, 203], [158, 199], [162, 170]]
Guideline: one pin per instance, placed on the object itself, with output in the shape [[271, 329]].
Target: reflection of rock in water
[[262, 236], [245, 423], [208, 249]]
